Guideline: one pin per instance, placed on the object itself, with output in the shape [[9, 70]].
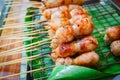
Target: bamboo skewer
[[17, 12], [33, 2], [38, 30], [16, 52], [22, 47], [23, 25], [25, 3], [21, 60], [25, 34], [15, 32], [19, 17], [20, 36], [18, 42], [14, 5], [20, 26], [3, 77], [15, 38]]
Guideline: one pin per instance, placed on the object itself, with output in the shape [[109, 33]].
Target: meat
[[69, 49], [57, 23], [62, 9], [63, 61], [112, 37], [115, 47], [112, 34], [65, 34], [85, 59], [70, 27], [56, 3]]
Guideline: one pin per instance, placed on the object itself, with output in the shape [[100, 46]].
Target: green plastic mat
[[103, 15]]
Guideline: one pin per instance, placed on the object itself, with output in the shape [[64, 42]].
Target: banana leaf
[[71, 72]]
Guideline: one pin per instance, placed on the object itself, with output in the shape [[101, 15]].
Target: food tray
[[103, 15]]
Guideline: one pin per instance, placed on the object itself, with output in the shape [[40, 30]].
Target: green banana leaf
[[70, 72]]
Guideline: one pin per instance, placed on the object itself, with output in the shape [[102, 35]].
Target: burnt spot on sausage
[[65, 48]]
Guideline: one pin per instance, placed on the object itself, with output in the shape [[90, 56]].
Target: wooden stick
[[24, 4], [21, 60], [18, 32], [25, 23], [3, 77], [19, 17], [15, 32], [22, 25], [33, 2], [21, 36], [22, 47], [26, 49], [19, 53], [25, 34], [31, 38], [17, 12]]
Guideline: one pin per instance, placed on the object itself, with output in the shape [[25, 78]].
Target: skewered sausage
[[48, 12], [112, 34], [115, 47], [85, 59], [85, 44], [56, 3], [68, 33]]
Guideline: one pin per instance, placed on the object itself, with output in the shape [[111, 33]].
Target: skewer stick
[[15, 38], [19, 53], [20, 36], [17, 12], [15, 32], [25, 34], [25, 23], [31, 38], [21, 60], [24, 50], [22, 25], [28, 31], [24, 4], [3, 77], [33, 2], [19, 17], [22, 47]]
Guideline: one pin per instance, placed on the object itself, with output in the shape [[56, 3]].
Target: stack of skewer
[[70, 28]]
